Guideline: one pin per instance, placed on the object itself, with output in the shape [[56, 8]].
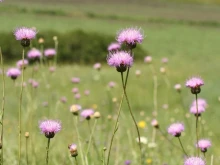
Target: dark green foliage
[[75, 46]]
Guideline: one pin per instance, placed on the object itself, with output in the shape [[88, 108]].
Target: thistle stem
[[182, 146], [76, 161], [197, 129], [47, 153], [3, 105], [19, 113], [27, 151]]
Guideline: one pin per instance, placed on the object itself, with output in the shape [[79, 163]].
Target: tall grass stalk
[[3, 106]]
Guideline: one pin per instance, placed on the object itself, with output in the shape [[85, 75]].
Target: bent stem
[[3, 105], [79, 141], [197, 129], [129, 107], [19, 113], [47, 154], [182, 146], [115, 128]]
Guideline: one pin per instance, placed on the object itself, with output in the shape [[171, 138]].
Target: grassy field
[[188, 34]]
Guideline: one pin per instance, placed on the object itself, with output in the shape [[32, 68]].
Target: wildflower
[[63, 99], [155, 123], [201, 102], [148, 59], [22, 64], [196, 112], [50, 127], [34, 54], [111, 84], [178, 87], [40, 40], [26, 134], [137, 73], [97, 115], [162, 70], [25, 35], [13, 73], [194, 161], [121, 60], [149, 161], [75, 90], [50, 52], [113, 47], [35, 84], [142, 140], [175, 129], [75, 108], [130, 36], [77, 96], [75, 80], [73, 150], [127, 162], [86, 92], [204, 144], [97, 66], [164, 60], [141, 124], [52, 69], [195, 83], [87, 113]]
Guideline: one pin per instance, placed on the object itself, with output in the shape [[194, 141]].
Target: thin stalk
[[103, 156], [79, 141], [56, 48], [91, 137], [19, 113], [129, 107], [47, 153], [76, 161], [197, 129], [211, 160], [115, 128], [3, 105], [182, 146], [27, 151], [204, 154]]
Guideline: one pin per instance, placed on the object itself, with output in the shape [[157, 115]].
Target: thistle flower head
[[34, 54], [75, 108], [194, 83], [121, 60], [130, 36], [75, 80], [50, 52], [201, 102], [25, 34], [194, 161], [127, 162], [155, 123], [193, 110], [22, 64], [13, 73], [73, 150], [176, 129], [49, 127], [97, 66], [178, 87], [148, 59], [113, 47], [87, 113], [204, 144]]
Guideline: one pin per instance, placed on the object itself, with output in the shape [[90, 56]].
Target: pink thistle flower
[[195, 83], [50, 127], [121, 60], [13, 73], [204, 144], [25, 34], [75, 80], [193, 110], [87, 113], [111, 84], [130, 36], [77, 96], [148, 59], [155, 123], [175, 129], [34, 84], [52, 69], [75, 108], [73, 150], [97, 66], [20, 64], [75, 90], [34, 54], [86, 92], [63, 99], [194, 161], [50, 52], [178, 87], [201, 102], [164, 60], [113, 47]]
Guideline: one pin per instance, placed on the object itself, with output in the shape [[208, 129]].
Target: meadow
[[186, 34]]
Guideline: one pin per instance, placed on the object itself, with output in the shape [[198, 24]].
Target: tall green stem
[[182, 146], [79, 141], [19, 113], [47, 153], [197, 129], [131, 113], [3, 105], [27, 151], [76, 161]]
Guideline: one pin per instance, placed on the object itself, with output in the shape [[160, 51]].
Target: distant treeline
[[73, 47]]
